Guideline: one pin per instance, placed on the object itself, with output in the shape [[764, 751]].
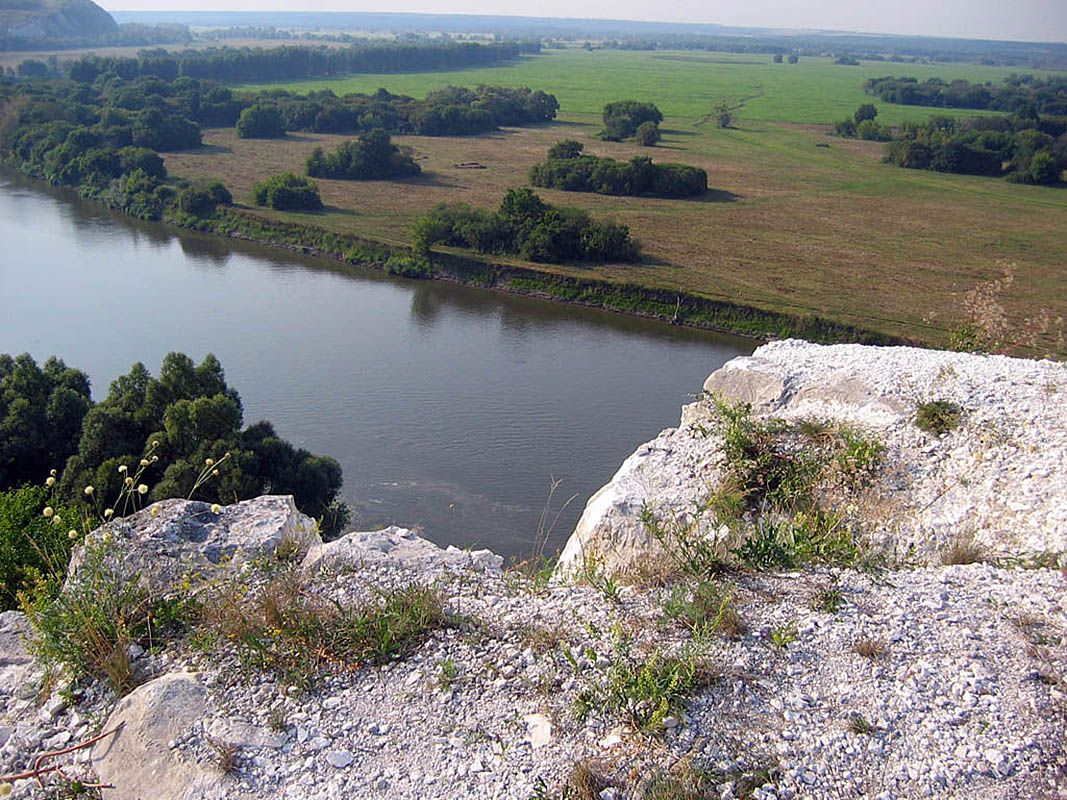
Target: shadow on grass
[[716, 196], [210, 149], [672, 132]]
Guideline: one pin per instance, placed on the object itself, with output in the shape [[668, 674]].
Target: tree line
[[1019, 93], [291, 62], [1025, 149], [526, 226], [567, 169]]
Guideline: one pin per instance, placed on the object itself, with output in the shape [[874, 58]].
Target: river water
[[449, 408]]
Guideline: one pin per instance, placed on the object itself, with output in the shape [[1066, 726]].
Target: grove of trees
[[287, 191], [528, 227], [623, 117], [567, 169], [370, 156], [183, 417], [1019, 93]]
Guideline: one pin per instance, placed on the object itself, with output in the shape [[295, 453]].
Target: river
[[449, 408]]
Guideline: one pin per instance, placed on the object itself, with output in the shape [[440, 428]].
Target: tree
[[793, 58], [777, 58], [371, 156], [287, 192], [1045, 168], [566, 148], [261, 121], [623, 117], [723, 117], [865, 112], [647, 134]]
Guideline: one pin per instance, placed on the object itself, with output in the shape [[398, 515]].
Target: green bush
[[261, 121], [200, 199], [370, 156], [32, 546], [287, 192]]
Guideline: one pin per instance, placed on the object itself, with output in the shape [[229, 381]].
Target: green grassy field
[[796, 220], [684, 85]]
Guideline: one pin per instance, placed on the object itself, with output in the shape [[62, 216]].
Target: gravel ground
[[963, 695]]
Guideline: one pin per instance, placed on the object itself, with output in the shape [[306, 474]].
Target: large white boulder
[[1000, 479]]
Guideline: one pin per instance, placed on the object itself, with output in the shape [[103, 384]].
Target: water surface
[[448, 407]]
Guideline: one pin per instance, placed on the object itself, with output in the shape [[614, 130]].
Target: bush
[[32, 546], [201, 199], [622, 118], [370, 156], [938, 416], [261, 121], [287, 192], [638, 177], [647, 134]]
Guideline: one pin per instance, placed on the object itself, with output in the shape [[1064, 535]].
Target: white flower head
[[109, 513], [88, 491], [73, 534], [48, 512], [122, 468], [215, 508], [50, 481], [142, 489]]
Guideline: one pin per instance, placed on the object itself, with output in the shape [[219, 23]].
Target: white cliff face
[[1000, 479]]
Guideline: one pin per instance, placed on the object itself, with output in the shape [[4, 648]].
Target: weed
[[586, 781], [646, 688], [542, 638], [827, 600], [693, 553], [963, 550], [938, 416], [277, 721], [90, 624], [227, 754], [871, 648], [688, 781], [784, 635], [705, 609], [857, 723], [447, 673], [285, 626]]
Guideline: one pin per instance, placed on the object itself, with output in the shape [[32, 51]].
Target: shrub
[[647, 134], [287, 192], [622, 118], [32, 546], [261, 121], [201, 199], [370, 156]]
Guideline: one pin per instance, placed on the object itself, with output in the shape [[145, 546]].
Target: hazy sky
[[1034, 20]]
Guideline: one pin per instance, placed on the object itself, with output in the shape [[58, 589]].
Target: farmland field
[[795, 220]]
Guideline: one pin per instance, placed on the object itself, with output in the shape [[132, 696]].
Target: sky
[[1030, 20]]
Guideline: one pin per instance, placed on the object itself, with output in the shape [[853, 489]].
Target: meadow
[[795, 220]]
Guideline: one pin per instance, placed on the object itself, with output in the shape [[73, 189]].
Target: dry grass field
[[795, 219]]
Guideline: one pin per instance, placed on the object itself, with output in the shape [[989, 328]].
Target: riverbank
[[677, 308]]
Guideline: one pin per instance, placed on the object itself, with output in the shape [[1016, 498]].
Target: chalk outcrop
[[55, 19], [1000, 479]]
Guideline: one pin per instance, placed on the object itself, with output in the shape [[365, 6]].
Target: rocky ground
[[636, 681], [959, 694]]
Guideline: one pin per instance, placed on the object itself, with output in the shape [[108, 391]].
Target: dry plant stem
[[38, 770]]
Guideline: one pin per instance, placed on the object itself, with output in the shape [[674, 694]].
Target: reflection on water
[[449, 408]]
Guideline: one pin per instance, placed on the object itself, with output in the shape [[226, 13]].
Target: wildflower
[[154, 511], [155, 443], [155, 458], [122, 468], [72, 534], [145, 462], [209, 461], [50, 481], [57, 520], [215, 508], [88, 491], [142, 489], [129, 481], [108, 513], [214, 472], [52, 473], [48, 512]]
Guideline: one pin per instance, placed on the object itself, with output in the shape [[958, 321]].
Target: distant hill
[[54, 19]]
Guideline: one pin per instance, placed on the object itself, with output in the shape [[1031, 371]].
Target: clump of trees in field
[[372, 155], [567, 169], [261, 121], [183, 417], [1019, 93], [287, 191], [623, 118], [528, 227], [863, 126]]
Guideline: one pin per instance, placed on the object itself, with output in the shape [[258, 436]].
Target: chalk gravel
[[967, 701]]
